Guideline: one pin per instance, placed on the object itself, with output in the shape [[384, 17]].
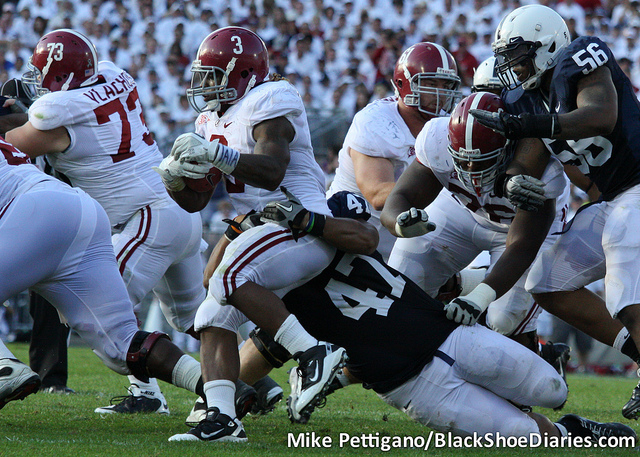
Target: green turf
[[56, 425]]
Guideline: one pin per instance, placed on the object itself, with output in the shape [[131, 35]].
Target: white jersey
[[111, 151], [377, 130], [488, 210], [17, 174], [303, 178]]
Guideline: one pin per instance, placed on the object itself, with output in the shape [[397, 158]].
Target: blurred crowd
[[340, 54]]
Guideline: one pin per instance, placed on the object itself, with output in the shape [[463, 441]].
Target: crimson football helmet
[[229, 63], [479, 154], [418, 68], [62, 60]]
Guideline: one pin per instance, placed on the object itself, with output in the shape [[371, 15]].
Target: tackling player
[[572, 101]]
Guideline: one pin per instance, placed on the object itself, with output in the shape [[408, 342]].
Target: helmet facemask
[[32, 81], [209, 89], [518, 54], [482, 181], [446, 99]]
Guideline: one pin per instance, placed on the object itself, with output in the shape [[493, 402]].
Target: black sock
[[629, 349]]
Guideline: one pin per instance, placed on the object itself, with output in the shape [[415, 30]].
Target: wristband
[[226, 159], [316, 223], [482, 295]]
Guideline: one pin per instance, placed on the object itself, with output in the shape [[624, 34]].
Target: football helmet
[[534, 33], [415, 72], [62, 60], [230, 61], [485, 78], [479, 154]]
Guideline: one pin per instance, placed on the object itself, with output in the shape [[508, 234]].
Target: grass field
[[46, 425]]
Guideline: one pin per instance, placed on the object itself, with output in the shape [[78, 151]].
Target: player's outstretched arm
[[416, 188]]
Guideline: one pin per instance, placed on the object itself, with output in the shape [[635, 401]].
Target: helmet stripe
[[471, 122], [443, 56]]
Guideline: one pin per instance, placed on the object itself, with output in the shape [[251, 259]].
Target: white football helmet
[[485, 78], [534, 32]]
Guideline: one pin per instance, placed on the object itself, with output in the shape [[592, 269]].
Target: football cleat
[[62, 390], [138, 401], [215, 427], [580, 426], [198, 413], [17, 381], [269, 393], [557, 355], [310, 381], [246, 399], [632, 409]]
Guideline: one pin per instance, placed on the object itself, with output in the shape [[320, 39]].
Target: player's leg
[[266, 259], [159, 246], [218, 327], [597, 245]]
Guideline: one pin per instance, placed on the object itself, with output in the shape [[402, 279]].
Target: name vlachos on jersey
[[122, 83]]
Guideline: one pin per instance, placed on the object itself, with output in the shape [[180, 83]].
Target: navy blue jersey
[[611, 161], [389, 326]]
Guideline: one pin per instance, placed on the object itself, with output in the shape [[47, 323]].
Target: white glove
[[191, 149], [172, 173], [413, 222], [525, 192], [466, 310]]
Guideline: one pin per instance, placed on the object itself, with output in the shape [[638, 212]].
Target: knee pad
[[139, 349], [273, 352]]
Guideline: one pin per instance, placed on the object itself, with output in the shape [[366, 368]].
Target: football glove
[[413, 222], [192, 150], [524, 125], [172, 173], [523, 191], [291, 213], [466, 310], [250, 220]]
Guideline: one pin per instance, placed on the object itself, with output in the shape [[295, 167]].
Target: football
[[206, 184]]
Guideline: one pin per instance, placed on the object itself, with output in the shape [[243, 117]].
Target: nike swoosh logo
[[316, 375], [287, 208], [227, 124], [206, 436]]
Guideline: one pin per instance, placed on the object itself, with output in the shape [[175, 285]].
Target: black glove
[[250, 220], [290, 214], [523, 125], [14, 88]]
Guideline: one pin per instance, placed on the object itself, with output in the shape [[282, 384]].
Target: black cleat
[[215, 427], [268, 393], [632, 409], [137, 402], [246, 399], [579, 426]]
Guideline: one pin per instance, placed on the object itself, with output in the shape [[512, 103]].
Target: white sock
[[148, 389], [5, 353], [221, 394], [561, 428], [186, 373], [294, 337], [622, 337]]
